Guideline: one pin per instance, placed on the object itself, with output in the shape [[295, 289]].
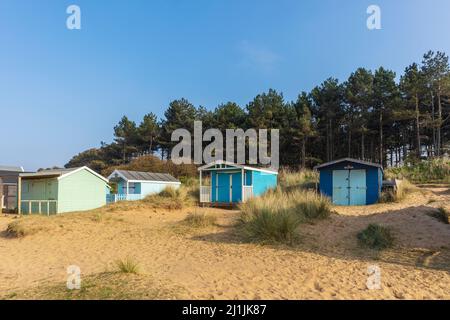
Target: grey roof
[[11, 168], [146, 176], [366, 163], [48, 173]]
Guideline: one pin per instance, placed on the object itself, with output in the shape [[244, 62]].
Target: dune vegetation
[[427, 171], [103, 286], [404, 188], [376, 237], [199, 219], [275, 217], [170, 199]]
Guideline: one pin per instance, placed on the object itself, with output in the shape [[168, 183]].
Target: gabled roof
[[366, 163], [60, 173], [11, 168], [140, 176], [231, 164]]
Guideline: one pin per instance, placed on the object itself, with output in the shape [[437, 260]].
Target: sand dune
[[215, 264]]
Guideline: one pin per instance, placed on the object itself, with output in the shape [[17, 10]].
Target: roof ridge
[[154, 172]]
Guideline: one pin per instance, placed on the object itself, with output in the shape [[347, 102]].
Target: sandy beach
[[214, 263]]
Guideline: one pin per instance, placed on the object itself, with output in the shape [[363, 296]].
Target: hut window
[[131, 188]]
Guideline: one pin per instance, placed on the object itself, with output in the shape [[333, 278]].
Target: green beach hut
[[61, 190]]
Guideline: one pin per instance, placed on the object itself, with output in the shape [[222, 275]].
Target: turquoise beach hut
[[351, 182], [226, 183]]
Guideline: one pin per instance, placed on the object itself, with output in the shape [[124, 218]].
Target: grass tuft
[[200, 219], [403, 189], [376, 237], [170, 199], [304, 179], [270, 227], [27, 226], [275, 216], [127, 266]]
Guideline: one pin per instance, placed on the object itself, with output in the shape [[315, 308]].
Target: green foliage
[[148, 131], [434, 170], [151, 163], [376, 237]]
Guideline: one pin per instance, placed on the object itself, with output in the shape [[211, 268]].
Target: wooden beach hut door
[[358, 187], [340, 187], [224, 185], [229, 187], [349, 187]]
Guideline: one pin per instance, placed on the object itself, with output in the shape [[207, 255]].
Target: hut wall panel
[[81, 191]]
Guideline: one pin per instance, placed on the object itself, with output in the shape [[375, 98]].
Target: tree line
[[372, 116]]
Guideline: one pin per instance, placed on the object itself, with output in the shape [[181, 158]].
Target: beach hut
[[226, 183], [136, 185], [9, 176], [61, 190], [351, 182]]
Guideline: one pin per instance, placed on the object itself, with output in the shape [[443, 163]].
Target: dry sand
[[214, 264]]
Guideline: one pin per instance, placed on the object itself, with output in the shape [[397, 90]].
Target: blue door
[[340, 187], [236, 182], [223, 187], [358, 187]]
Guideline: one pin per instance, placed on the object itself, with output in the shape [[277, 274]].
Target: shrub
[[376, 237], [199, 220], [127, 266]]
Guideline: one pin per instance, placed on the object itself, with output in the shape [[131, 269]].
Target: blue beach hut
[[226, 183], [351, 182], [136, 185]]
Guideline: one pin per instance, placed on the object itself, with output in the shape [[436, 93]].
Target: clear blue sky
[[62, 91]]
